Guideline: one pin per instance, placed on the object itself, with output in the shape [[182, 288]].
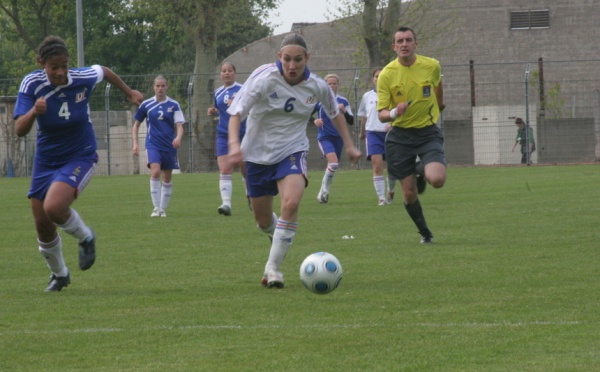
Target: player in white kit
[[277, 101]]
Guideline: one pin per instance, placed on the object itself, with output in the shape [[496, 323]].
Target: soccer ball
[[321, 272]]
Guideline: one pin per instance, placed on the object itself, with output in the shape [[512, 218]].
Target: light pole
[[80, 60]]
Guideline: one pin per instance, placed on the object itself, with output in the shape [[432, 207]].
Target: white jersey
[[277, 113], [368, 109]]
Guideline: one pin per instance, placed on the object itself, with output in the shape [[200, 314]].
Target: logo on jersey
[[80, 97], [273, 95], [311, 100], [170, 109]]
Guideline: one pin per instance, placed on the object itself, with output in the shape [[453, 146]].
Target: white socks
[[76, 227], [282, 240], [328, 177], [160, 193], [52, 252], [379, 183], [226, 187]]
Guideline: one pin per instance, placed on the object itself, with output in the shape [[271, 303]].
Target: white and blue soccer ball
[[321, 272]]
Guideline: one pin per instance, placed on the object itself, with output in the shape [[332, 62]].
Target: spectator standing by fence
[[525, 139]]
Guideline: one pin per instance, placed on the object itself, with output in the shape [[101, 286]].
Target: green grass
[[511, 284]]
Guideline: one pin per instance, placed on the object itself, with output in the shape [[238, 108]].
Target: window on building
[[529, 19]]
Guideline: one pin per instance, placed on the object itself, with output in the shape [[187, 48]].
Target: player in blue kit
[[277, 100], [329, 138], [223, 96], [57, 98], [164, 120]]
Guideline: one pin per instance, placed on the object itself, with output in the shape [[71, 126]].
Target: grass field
[[511, 284]]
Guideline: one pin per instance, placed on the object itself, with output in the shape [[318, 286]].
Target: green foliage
[[510, 284]]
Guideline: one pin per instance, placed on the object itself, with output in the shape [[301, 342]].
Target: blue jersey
[[161, 118], [65, 131], [223, 97], [328, 129]]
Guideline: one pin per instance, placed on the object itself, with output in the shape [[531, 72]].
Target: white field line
[[274, 326]]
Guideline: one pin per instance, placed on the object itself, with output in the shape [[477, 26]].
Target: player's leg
[[329, 150], [225, 184], [69, 183], [401, 165], [155, 184], [291, 181], [166, 191], [50, 247]]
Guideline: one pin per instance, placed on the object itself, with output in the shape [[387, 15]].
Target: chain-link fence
[[482, 102]]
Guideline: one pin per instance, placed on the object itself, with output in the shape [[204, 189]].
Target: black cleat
[[225, 210], [426, 237], [420, 175], [87, 252], [57, 283]]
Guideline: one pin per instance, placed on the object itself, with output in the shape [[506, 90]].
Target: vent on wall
[[529, 19]]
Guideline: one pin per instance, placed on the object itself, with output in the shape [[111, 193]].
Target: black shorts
[[403, 145]]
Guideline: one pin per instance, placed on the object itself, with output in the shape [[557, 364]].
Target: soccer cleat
[[225, 210], [420, 175], [426, 237], [272, 279], [163, 213], [382, 202], [390, 198], [87, 252], [155, 213], [323, 197], [57, 283]]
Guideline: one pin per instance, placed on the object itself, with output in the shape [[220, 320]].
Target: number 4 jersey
[[65, 131]]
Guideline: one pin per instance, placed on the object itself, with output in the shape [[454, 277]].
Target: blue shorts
[[331, 144], [262, 179], [222, 144], [76, 173], [166, 159], [375, 142]]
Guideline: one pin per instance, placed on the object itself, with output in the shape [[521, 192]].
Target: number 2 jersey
[[277, 113], [161, 119], [65, 131]]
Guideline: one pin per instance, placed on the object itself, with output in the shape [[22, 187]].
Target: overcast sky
[[296, 11]]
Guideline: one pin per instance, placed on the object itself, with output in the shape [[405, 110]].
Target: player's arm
[[134, 134], [347, 115], [179, 135], [363, 128], [340, 124], [133, 95], [439, 95], [24, 123], [235, 151]]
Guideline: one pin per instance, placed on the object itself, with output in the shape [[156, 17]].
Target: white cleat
[[272, 279], [155, 213], [323, 197], [163, 213]]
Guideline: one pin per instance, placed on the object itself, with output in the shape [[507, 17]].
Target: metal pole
[[80, 59], [107, 105], [356, 121], [527, 153], [190, 92]]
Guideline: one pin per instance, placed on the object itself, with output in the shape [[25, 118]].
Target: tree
[[381, 18], [205, 21]]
